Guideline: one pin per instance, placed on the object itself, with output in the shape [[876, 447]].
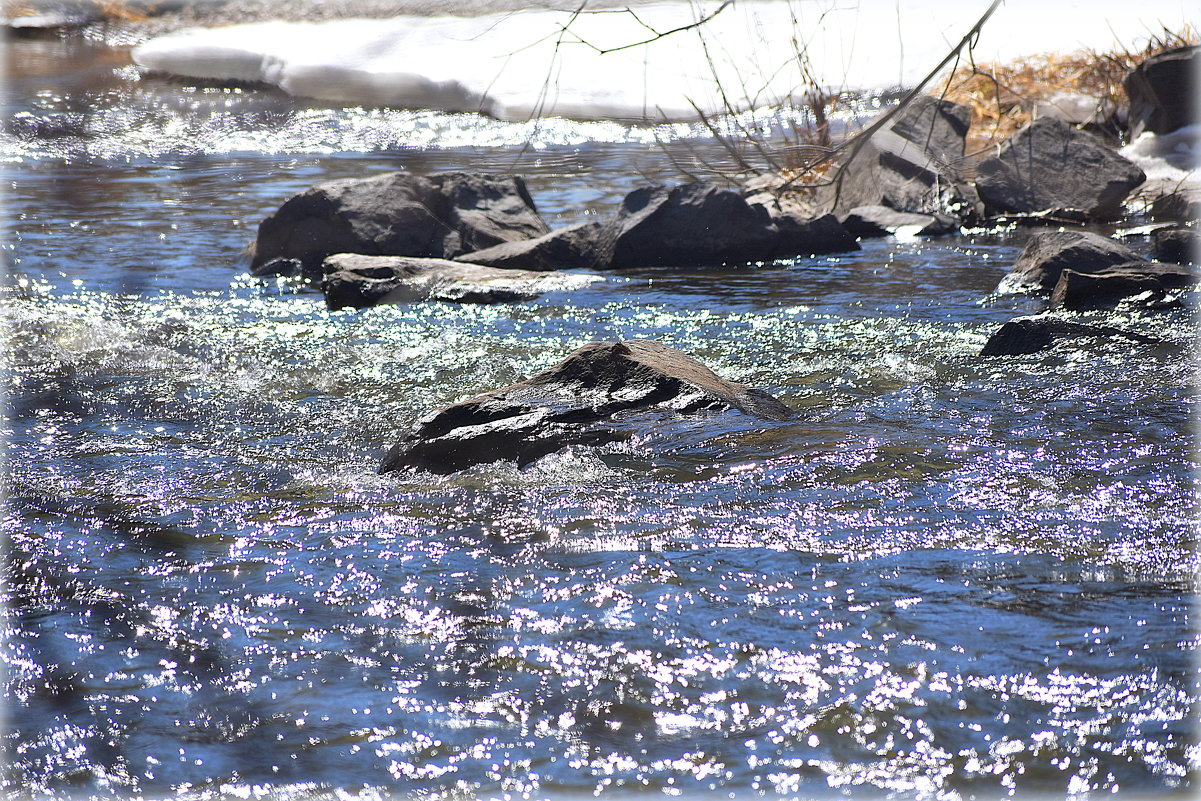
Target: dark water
[[951, 577]]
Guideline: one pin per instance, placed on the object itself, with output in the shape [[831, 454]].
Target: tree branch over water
[[657, 35]]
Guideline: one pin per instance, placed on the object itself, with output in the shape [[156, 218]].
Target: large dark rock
[[688, 224], [1177, 245], [1049, 253], [1024, 335], [356, 281], [1108, 287], [801, 236], [914, 164], [1049, 165], [872, 221], [1163, 92], [568, 248], [398, 214], [578, 402]]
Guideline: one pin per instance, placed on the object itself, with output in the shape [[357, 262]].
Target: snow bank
[[528, 64]]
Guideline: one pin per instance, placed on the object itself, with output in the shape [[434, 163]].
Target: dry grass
[[1005, 97]]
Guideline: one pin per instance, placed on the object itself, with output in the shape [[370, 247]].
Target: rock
[[1025, 335], [573, 403], [1163, 91], [398, 214], [1051, 165], [1177, 245], [870, 221], [1108, 287], [801, 231], [1183, 205], [913, 164], [568, 248], [356, 281], [1048, 253], [689, 224]]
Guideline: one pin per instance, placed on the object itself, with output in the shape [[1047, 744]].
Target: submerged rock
[[355, 281], [1049, 165], [1163, 91], [570, 248], [871, 221], [398, 214], [573, 403], [1049, 253], [1024, 335]]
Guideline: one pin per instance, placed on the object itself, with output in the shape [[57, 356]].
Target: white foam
[[520, 65]]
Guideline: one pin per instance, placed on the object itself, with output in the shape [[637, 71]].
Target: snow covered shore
[[519, 65]]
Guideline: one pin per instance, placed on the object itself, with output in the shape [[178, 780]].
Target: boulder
[[1163, 92], [871, 221], [689, 224], [352, 280], [1024, 335], [912, 164], [1108, 287], [398, 214], [1051, 165], [577, 402], [1049, 253], [1177, 245], [568, 248], [801, 236]]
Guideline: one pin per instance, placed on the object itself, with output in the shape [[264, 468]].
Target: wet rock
[[1024, 335], [801, 236], [1163, 91], [398, 214], [355, 281], [1107, 288], [570, 248], [1183, 205], [914, 164], [577, 402], [1049, 165], [1177, 245], [873, 221], [688, 224], [1049, 253]]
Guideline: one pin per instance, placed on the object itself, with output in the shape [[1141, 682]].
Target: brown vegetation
[[1005, 97]]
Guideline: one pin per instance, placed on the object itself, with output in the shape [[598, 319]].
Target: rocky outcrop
[[1024, 335], [1049, 253], [397, 214], [568, 248], [1163, 92], [1049, 165], [802, 236], [355, 281], [1146, 281], [577, 402], [873, 221], [914, 164]]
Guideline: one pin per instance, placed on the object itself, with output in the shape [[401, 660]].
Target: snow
[[519, 65]]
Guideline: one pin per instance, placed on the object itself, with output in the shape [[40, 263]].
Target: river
[[951, 577]]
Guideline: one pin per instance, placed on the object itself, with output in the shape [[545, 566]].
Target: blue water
[[950, 577]]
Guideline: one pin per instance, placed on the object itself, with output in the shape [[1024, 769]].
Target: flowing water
[[949, 577]]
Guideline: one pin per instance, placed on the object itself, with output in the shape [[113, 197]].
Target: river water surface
[[949, 577]]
